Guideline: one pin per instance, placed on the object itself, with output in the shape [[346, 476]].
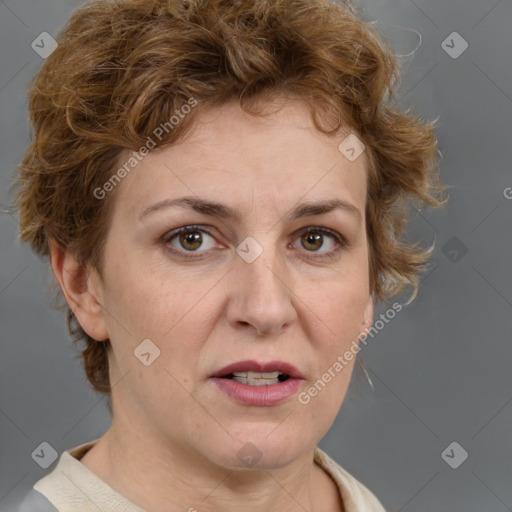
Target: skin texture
[[175, 437]]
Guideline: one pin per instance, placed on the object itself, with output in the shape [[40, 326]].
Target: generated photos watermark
[[138, 156], [343, 360]]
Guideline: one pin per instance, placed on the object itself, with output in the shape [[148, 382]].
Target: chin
[[271, 446]]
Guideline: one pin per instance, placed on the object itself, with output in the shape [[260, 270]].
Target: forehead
[[239, 158]]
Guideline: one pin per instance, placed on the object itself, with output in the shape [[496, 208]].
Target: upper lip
[[261, 367]]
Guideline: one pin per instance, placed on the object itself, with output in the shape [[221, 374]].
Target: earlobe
[[368, 314], [81, 290]]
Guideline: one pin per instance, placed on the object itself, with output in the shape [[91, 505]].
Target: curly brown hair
[[123, 67]]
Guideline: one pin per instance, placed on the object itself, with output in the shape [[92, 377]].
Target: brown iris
[[191, 240], [313, 240]]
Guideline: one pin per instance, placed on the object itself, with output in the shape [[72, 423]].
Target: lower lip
[[262, 396]]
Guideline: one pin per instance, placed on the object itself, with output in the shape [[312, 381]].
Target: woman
[[221, 188]]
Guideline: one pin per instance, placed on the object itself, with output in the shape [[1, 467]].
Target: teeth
[[257, 375], [256, 378]]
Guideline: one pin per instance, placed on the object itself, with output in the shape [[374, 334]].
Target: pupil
[[311, 238], [191, 240]]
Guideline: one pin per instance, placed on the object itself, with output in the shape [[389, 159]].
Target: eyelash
[[340, 240]]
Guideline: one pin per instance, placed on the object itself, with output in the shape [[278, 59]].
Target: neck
[[159, 475]]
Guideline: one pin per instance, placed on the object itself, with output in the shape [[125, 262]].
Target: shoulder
[[34, 501], [41, 497], [356, 496]]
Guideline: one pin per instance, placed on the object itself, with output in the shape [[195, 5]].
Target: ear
[[82, 290], [368, 314]]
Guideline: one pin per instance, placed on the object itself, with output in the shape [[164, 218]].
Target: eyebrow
[[227, 212]]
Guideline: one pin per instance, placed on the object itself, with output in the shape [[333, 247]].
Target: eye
[[189, 239], [322, 241]]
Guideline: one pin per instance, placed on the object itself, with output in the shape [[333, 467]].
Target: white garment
[[72, 487]]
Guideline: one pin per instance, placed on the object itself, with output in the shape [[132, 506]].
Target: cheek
[[320, 402], [339, 308], [139, 297], [176, 316]]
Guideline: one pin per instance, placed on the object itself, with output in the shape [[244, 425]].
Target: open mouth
[[257, 378], [261, 384]]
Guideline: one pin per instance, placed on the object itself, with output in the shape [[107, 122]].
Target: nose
[[261, 296]]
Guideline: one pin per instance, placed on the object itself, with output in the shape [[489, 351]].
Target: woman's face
[[243, 284]]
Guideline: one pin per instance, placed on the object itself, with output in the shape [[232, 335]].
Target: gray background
[[441, 367]]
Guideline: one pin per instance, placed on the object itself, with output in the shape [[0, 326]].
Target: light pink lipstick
[[263, 396]]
